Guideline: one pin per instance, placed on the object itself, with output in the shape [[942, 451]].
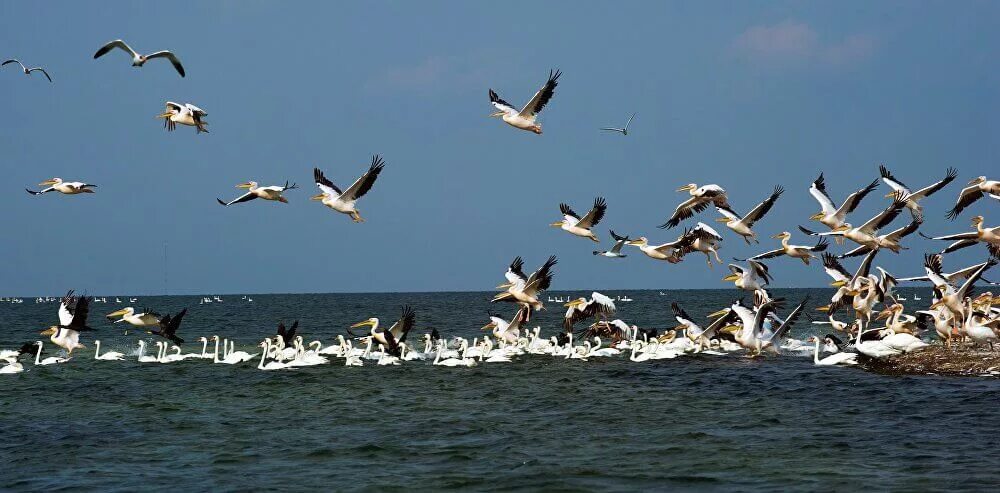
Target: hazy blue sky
[[744, 94]]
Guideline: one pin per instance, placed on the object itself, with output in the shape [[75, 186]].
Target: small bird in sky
[[624, 131], [26, 70], [137, 59]]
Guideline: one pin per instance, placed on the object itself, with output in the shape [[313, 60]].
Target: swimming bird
[[803, 253], [912, 199], [168, 327], [128, 315], [391, 337], [623, 131], [988, 236], [64, 187], [51, 360], [742, 225], [139, 60], [344, 202], [26, 70], [524, 290], [108, 356], [977, 189], [831, 215], [752, 278], [272, 192], [838, 358], [503, 330], [185, 114], [616, 250], [73, 313], [598, 306], [573, 224], [701, 198], [526, 119]]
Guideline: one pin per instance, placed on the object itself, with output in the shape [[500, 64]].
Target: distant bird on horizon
[[65, 187], [26, 70], [575, 225], [185, 114], [526, 118], [272, 192], [623, 131], [344, 201], [137, 59]]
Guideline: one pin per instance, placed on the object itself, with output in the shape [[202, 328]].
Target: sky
[[747, 95]]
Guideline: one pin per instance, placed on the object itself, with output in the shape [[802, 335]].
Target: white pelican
[[26, 70], [168, 327], [598, 306], [272, 192], [137, 59], [391, 337], [989, 236], [525, 290], [65, 187], [701, 198], [73, 313], [897, 321], [670, 251], [508, 332], [934, 273], [573, 224], [526, 118], [185, 114], [623, 131], [830, 215], [953, 299], [752, 278], [343, 202], [616, 250], [978, 332], [742, 225], [977, 188], [703, 238], [108, 356], [867, 233], [912, 199], [803, 253], [129, 316], [890, 241]]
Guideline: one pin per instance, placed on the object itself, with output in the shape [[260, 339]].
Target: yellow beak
[[165, 114], [319, 196], [823, 308], [496, 114], [779, 235], [572, 303], [556, 224], [719, 313], [684, 188], [504, 285], [116, 313], [634, 242], [47, 182], [489, 326], [838, 284], [842, 228], [722, 220], [817, 216], [731, 277], [883, 314], [49, 331], [243, 185], [362, 324]]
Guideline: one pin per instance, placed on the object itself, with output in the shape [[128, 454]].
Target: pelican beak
[[731, 277], [817, 216], [779, 235], [825, 308], [838, 284], [116, 313], [362, 324], [557, 224], [244, 185], [489, 326], [634, 242], [47, 183], [165, 114], [49, 331], [572, 303], [718, 313], [685, 188], [730, 329], [319, 196], [722, 220], [883, 314], [841, 228], [504, 285], [496, 114]]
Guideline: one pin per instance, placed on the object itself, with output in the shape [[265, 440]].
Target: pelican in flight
[[989, 236], [912, 198], [26, 70], [253, 192], [508, 332], [934, 273], [830, 215], [755, 276], [524, 290], [891, 241], [391, 337], [137, 59], [701, 198], [616, 251], [803, 253], [742, 225], [703, 238], [623, 131], [64, 187], [867, 233], [73, 313], [598, 306], [977, 188], [129, 316], [573, 224], [526, 118], [672, 251], [185, 114], [344, 202]]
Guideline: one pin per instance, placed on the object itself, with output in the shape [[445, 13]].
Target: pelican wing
[[360, 187], [116, 44], [619, 242], [704, 231], [729, 213], [966, 197], [771, 254], [967, 285], [324, 184], [169, 56], [44, 190], [834, 268], [865, 266], [762, 208], [958, 245], [195, 110], [568, 211], [818, 191], [853, 200], [542, 97], [952, 173], [402, 327], [883, 218], [541, 278], [892, 181], [80, 312], [761, 270], [595, 215], [681, 316], [904, 231], [242, 198], [684, 210], [66, 309], [515, 273], [972, 235], [502, 105]]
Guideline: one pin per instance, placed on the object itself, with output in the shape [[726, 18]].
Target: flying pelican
[[73, 313], [752, 278], [573, 224], [912, 198], [844, 281], [830, 215], [953, 299], [701, 198], [616, 251], [508, 332], [867, 233], [267, 193], [129, 316], [989, 236], [803, 253], [185, 114], [598, 306], [703, 238], [934, 273], [525, 119], [391, 337], [978, 187], [623, 131], [168, 327], [64, 187], [137, 59], [343, 202], [525, 290], [26, 70], [742, 225], [890, 241], [672, 251]]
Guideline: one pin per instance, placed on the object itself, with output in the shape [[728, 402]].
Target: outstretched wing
[[502, 105], [542, 97], [762, 208], [242, 198], [360, 187], [115, 44], [324, 184], [595, 215], [169, 56]]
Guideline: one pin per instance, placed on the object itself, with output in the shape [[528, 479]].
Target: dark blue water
[[703, 422]]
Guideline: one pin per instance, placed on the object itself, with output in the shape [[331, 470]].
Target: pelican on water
[[701, 198], [185, 114], [391, 338], [742, 225], [137, 59], [508, 332], [64, 187], [623, 131], [526, 118], [912, 198], [573, 224], [253, 192], [26, 70], [977, 188], [616, 250], [344, 201], [598, 306]]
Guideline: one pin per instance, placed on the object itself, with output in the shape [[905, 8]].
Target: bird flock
[[755, 327]]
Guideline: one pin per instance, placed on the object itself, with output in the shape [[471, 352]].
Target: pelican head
[[558, 224], [976, 221], [490, 326], [497, 114], [51, 181], [842, 228], [884, 313], [817, 216], [370, 322], [249, 184], [687, 188], [640, 241], [735, 276], [49, 331], [576, 302], [977, 180], [784, 235], [127, 311]]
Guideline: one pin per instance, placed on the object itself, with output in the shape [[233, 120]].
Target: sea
[[540, 423]]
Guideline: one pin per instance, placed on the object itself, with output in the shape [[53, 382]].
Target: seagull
[[525, 119], [978, 187], [343, 201], [624, 131], [26, 70], [137, 59], [701, 198], [185, 114], [616, 251], [573, 224], [253, 192], [64, 187], [742, 225], [912, 198]]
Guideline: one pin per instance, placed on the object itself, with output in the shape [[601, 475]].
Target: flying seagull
[[137, 59], [26, 70], [624, 131]]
